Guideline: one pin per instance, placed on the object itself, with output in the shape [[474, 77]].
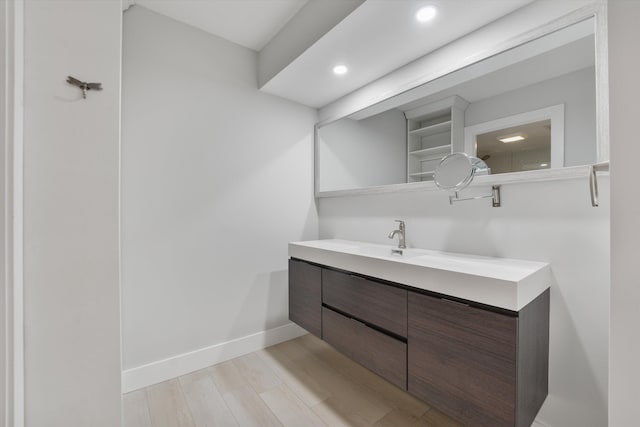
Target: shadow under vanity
[[482, 364]]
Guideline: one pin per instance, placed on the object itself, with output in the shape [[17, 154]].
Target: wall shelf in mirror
[[433, 131], [432, 153], [422, 175]]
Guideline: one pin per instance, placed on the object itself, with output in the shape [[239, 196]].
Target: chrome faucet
[[400, 233]]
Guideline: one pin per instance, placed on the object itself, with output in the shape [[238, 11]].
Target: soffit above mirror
[[376, 38]]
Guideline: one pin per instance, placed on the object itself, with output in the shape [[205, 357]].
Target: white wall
[[624, 63], [217, 178], [71, 266], [552, 222], [575, 90], [363, 153]]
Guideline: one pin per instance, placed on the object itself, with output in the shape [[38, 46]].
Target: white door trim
[[555, 113], [11, 142]]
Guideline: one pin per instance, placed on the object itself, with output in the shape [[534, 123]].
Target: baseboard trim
[[163, 370]]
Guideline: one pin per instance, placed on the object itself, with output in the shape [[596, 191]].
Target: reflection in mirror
[[544, 89], [456, 171], [363, 153], [516, 149]]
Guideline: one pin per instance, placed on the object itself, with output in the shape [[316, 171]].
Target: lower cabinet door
[[379, 352], [305, 296], [462, 360]]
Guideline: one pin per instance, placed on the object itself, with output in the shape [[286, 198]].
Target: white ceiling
[[378, 37], [250, 23], [375, 39]]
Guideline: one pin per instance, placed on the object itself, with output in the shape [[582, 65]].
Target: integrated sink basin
[[383, 251], [500, 282]]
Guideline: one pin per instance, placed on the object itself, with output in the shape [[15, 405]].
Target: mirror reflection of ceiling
[[556, 54]]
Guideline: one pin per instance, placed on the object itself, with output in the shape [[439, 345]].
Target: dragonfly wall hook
[[84, 86]]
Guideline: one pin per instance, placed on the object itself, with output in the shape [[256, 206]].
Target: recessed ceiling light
[[544, 165], [512, 138], [426, 14], [340, 70]]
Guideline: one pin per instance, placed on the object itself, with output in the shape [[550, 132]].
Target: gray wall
[[363, 153], [71, 201], [217, 177], [5, 102], [624, 63], [575, 90]]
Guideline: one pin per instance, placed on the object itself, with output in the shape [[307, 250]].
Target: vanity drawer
[[382, 305], [379, 352]]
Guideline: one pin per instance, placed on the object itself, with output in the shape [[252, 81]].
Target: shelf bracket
[[495, 196]]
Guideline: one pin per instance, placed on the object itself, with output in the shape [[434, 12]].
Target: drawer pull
[[454, 302]]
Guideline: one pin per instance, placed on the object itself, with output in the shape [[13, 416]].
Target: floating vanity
[[467, 334]]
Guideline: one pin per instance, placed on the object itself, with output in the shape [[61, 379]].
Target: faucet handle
[[401, 223]]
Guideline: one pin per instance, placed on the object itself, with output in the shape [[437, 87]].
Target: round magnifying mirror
[[455, 171]]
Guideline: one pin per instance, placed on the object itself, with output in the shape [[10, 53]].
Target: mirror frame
[[595, 10]]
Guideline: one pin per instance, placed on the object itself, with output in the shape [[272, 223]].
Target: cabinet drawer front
[[376, 303], [305, 296], [462, 360], [381, 353]]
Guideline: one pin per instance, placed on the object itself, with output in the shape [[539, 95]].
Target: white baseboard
[[163, 370]]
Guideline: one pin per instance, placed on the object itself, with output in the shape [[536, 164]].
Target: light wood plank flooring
[[298, 383]]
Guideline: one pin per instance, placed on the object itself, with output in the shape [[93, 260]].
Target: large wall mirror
[[532, 107]]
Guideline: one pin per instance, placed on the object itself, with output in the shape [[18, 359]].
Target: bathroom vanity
[[469, 335]]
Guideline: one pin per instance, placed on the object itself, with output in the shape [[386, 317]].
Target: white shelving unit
[[433, 131]]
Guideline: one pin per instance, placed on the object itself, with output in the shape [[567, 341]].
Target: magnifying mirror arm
[[495, 195]]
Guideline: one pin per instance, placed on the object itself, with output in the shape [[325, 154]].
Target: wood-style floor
[[298, 383]]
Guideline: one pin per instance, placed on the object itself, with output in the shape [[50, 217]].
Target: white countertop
[[501, 282]]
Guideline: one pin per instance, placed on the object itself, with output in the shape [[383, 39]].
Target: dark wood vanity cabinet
[[305, 296], [480, 365]]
